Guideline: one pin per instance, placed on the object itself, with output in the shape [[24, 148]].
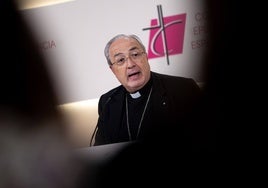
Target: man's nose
[[130, 62]]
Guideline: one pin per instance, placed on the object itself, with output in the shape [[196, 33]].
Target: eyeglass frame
[[127, 57]]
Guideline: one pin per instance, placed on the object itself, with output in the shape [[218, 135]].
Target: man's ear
[[110, 66]]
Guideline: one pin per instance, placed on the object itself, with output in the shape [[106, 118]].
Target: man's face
[[130, 63]]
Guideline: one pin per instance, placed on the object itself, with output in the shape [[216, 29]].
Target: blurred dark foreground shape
[[34, 146]]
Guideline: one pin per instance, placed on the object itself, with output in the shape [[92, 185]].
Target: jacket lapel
[[160, 101], [117, 109]]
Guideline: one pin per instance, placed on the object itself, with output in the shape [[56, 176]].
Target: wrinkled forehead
[[124, 45]]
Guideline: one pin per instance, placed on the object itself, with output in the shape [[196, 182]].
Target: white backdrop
[[73, 35]]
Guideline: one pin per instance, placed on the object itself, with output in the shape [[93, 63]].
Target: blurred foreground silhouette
[[34, 147]]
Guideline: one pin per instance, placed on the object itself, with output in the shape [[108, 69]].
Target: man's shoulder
[[178, 83], [170, 77], [113, 91]]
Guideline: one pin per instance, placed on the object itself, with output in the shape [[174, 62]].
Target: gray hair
[[107, 47]]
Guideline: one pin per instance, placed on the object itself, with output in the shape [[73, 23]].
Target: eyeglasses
[[121, 59]]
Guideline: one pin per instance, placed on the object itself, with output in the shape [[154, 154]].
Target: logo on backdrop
[[166, 35]]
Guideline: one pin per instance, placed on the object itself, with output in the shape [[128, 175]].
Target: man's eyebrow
[[131, 49], [118, 54]]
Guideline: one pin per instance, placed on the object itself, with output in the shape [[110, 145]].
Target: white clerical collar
[[135, 95]]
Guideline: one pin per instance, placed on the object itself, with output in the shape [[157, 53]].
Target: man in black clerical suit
[[148, 105]]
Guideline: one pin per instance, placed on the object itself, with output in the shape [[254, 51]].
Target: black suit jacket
[[171, 111]]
